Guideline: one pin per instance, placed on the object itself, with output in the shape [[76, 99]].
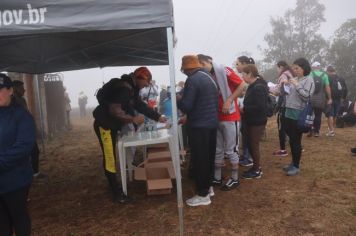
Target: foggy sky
[[220, 28]]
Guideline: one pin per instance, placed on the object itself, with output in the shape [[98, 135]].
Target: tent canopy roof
[[49, 36]]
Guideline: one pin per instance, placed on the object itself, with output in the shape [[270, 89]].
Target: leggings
[[295, 140], [107, 139], [14, 217], [254, 137], [281, 129]]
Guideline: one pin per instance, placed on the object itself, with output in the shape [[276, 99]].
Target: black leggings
[[281, 129], [295, 140], [107, 143], [14, 217]]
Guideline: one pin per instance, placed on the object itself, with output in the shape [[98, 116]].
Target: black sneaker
[[230, 184], [123, 198], [245, 162], [252, 174], [216, 182], [353, 150]]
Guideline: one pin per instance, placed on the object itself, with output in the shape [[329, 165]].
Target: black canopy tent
[[46, 36]]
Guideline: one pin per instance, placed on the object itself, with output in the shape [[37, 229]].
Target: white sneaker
[[330, 134], [199, 201], [211, 191]]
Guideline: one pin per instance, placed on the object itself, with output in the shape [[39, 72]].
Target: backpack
[[318, 82], [271, 105], [336, 86], [103, 94]]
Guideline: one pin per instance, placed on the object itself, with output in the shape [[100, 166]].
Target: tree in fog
[[342, 53], [296, 34]]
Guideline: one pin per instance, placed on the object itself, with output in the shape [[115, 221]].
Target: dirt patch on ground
[[75, 200]]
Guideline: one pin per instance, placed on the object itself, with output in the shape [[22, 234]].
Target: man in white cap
[[321, 99]]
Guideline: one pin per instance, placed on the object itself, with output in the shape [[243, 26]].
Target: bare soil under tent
[[74, 199]]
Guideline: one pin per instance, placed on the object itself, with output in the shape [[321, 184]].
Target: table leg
[[122, 158], [130, 155]]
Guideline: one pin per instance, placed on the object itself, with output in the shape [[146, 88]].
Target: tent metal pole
[[175, 128], [39, 103]]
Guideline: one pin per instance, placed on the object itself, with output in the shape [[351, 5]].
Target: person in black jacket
[[17, 137], [200, 103], [117, 112], [255, 115]]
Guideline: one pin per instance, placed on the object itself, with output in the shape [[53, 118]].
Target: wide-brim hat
[[190, 62]]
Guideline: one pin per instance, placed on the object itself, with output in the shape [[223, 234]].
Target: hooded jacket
[[255, 103], [119, 105], [17, 137]]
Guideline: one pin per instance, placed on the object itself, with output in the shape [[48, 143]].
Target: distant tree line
[[297, 35]]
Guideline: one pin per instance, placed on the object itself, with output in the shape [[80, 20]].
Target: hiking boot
[[287, 167], [330, 134], [198, 201], [122, 198], [293, 171], [353, 150], [216, 182], [280, 153], [245, 162], [211, 191], [252, 174], [230, 184]]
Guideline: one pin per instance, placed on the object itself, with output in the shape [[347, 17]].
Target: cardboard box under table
[[157, 171], [146, 138]]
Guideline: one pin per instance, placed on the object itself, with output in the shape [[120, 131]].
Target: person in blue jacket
[[17, 137], [200, 103]]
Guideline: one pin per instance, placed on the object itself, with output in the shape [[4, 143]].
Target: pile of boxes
[[157, 170]]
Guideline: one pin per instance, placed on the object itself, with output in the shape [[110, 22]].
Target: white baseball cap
[[315, 64]]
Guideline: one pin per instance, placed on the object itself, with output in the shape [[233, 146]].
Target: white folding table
[[140, 139]]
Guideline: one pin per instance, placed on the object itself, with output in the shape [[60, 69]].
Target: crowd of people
[[215, 104], [297, 85]]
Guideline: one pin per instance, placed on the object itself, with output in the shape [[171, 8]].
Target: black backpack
[[318, 82], [271, 105], [103, 94], [336, 86]]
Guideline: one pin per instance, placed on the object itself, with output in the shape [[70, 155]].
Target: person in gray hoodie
[[300, 89]]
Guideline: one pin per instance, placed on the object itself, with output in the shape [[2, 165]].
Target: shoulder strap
[[212, 80]]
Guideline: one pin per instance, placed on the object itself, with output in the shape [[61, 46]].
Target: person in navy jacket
[[17, 137], [200, 103]]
